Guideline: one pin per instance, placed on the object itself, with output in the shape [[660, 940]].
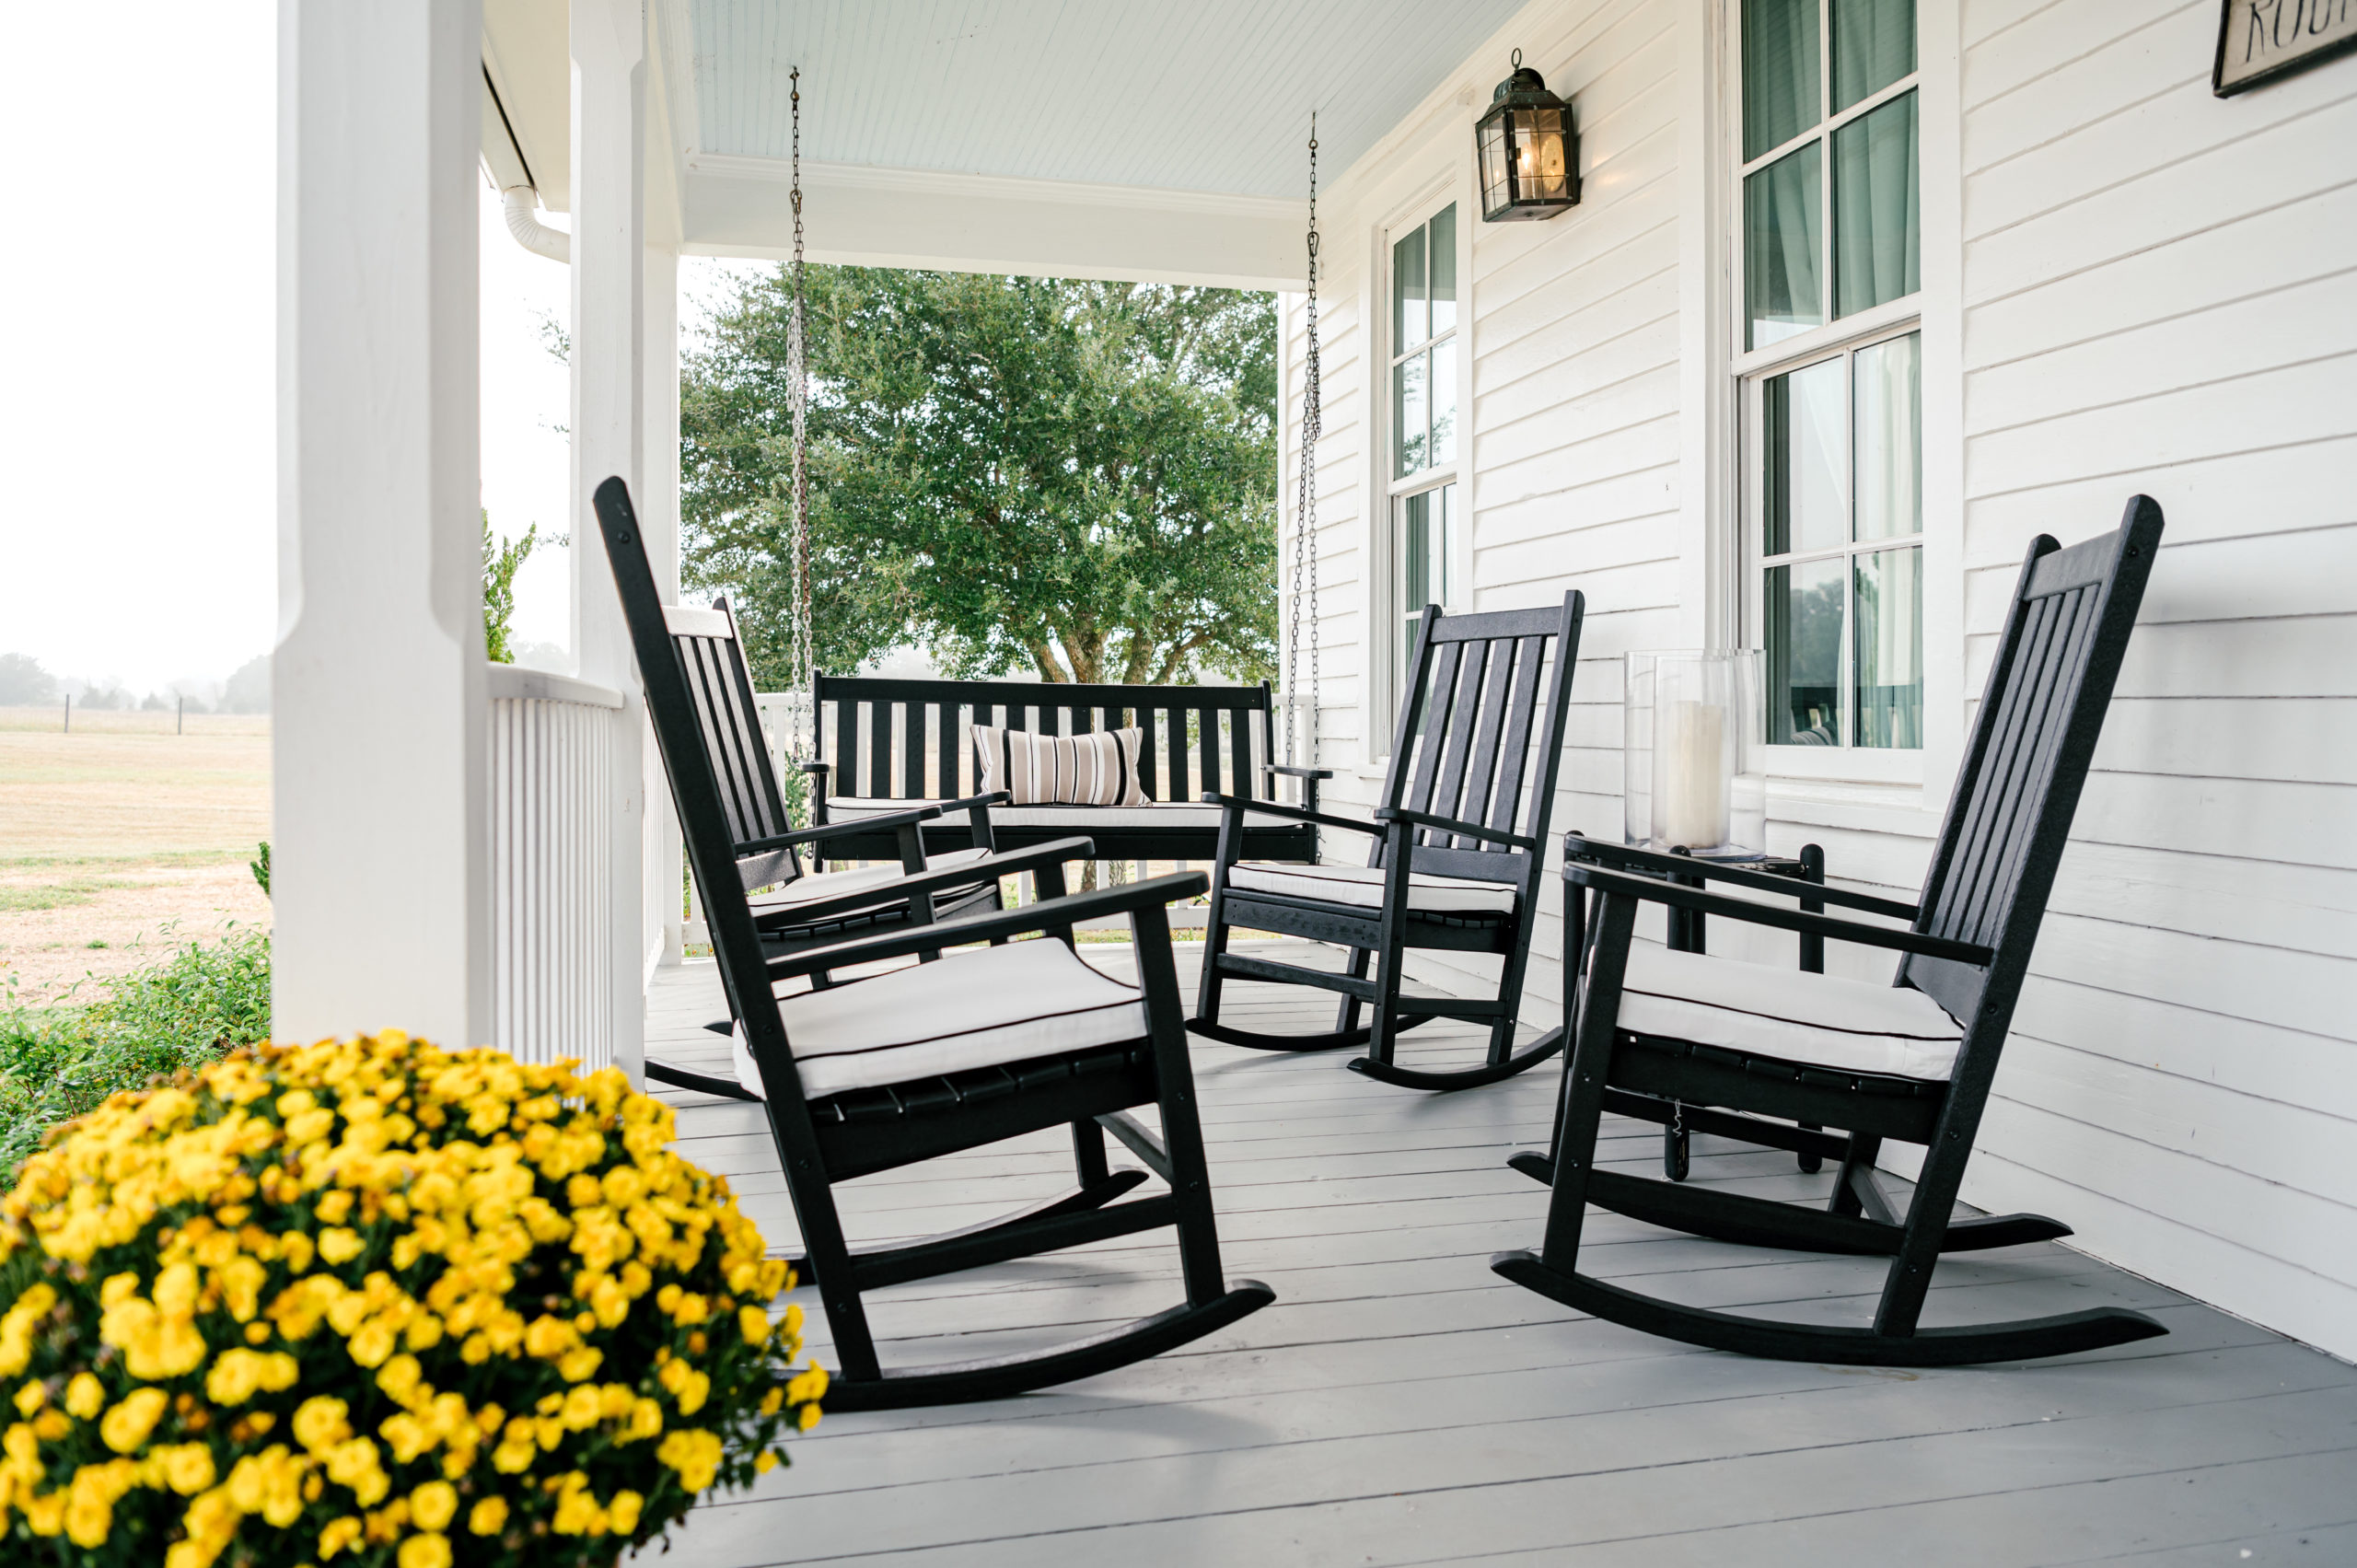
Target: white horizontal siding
[[2156, 287]]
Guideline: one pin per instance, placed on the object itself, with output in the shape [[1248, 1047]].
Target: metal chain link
[[1305, 539], [799, 657]]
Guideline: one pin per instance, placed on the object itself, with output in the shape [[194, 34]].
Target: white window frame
[[1385, 611], [1935, 312]]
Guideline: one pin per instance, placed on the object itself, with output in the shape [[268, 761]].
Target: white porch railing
[[552, 751]]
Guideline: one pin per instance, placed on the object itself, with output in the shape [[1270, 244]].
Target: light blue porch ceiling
[[1186, 95]]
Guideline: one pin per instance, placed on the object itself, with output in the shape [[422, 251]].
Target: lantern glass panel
[[1494, 195], [1539, 145]]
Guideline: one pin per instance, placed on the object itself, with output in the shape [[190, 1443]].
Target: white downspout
[[518, 201]]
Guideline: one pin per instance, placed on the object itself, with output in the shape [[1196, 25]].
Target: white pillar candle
[[1690, 775]]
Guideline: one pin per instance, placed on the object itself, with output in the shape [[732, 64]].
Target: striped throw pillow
[[1098, 769]]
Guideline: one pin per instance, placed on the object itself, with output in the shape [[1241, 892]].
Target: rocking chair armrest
[[1621, 857], [1451, 825], [1289, 771], [917, 884], [822, 768], [1621, 883], [995, 798], [1155, 893], [1296, 813], [836, 829]]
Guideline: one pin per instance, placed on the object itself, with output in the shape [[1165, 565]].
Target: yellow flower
[[84, 1396], [127, 1425], [338, 1535], [489, 1516], [754, 1323], [235, 1374], [624, 1511], [320, 1423], [767, 1461], [187, 1468], [693, 1453], [30, 1398], [806, 1386], [341, 1246], [424, 1551], [432, 1505], [580, 1363], [807, 1417]]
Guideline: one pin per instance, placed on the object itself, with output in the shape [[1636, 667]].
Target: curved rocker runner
[[1912, 1060], [963, 1049]]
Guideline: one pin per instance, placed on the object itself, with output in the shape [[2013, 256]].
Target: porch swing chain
[[1305, 543], [803, 718]]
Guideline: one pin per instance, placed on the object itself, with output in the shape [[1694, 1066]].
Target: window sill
[[1836, 764]]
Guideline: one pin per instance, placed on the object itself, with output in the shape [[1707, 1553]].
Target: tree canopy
[[1077, 477]]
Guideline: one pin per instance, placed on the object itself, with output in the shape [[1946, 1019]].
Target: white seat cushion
[[1363, 886], [971, 1009], [1821, 1020], [1080, 819], [858, 879]]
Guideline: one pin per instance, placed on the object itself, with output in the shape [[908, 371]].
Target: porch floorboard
[[1400, 1404]]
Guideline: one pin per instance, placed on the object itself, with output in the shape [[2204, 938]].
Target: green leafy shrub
[[60, 1062]]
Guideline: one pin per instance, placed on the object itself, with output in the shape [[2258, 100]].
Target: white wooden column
[[658, 522], [381, 899], [608, 43]]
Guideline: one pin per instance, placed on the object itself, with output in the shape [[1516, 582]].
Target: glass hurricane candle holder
[[1692, 755]]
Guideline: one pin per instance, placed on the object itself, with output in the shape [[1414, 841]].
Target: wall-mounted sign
[[2261, 40]]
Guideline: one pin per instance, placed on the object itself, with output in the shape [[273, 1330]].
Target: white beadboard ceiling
[[1188, 95]]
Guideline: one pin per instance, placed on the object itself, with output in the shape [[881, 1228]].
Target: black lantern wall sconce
[[1529, 153]]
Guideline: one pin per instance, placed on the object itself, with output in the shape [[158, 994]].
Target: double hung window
[[1831, 368], [1422, 469]]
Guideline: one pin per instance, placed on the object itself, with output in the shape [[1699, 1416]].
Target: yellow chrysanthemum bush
[[375, 1302]]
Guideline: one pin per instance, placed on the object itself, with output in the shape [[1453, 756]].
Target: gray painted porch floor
[[1400, 1404]]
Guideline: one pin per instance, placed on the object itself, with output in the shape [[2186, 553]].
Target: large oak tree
[[1075, 477]]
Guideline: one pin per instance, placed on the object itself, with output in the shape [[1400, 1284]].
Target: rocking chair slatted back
[[2032, 743], [712, 662], [1474, 709]]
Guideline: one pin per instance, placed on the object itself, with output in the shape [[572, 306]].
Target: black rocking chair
[[798, 909], [1448, 869], [970, 1048], [1912, 1060]]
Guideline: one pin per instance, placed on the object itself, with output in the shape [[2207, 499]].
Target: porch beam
[[927, 219], [382, 906]]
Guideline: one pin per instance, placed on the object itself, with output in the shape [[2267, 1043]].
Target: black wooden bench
[[885, 745]]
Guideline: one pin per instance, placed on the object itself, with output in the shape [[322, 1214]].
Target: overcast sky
[[137, 535]]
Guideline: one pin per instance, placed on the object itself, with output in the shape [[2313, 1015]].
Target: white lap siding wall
[[2151, 290], [2160, 294]]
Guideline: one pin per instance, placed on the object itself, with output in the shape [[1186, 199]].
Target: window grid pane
[[1410, 413], [1803, 609], [1888, 435], [1874, 45], [1783, 238], [1780, 96], [1441, 259], [1888, 657], [1876, 224], [1411, 321]]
